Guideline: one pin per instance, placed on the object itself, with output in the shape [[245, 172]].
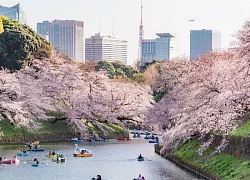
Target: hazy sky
[[159, 16]]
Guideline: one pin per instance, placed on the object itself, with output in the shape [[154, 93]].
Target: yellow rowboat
[[35, 142], [83, 155], [51, 156]]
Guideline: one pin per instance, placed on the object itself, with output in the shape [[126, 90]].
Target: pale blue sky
[[159, 16]]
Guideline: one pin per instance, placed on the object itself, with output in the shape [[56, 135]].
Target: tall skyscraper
[[43, 29], [165, 47], [204, 41], [105, 48], [66, 36], [15, 12]]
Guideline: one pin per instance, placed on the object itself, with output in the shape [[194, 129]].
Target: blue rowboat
[[140, 159], [22, 154], [36, 150], [153, 141], [76, 140], [101, 140], [35, 165]]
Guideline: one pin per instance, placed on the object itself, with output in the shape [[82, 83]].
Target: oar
[[39, 163], [147, 159]]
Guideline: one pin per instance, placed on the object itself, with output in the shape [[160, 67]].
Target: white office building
[[105, 48], [165, 47], [204, 41]]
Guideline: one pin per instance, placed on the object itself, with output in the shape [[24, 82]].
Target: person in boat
[[98, 177], [30, 145], [50, 153], [15, 158], [36, 146], [156, 138], [105, 136], [5, 159], [35, 160], [58, 158], [139, 177], [83, 151], [24, 151], [1, 158], [143, 178], [53, 153], [140, 156]]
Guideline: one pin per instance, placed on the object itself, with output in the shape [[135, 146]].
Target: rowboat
[[59, 158], [51, 156], [136, 136], [36, 150], [101, 140], [82, 152], [76, 140], [35, 142], [5, 162], [22, 154], [140, 159], [123, 139], [153, 141], [11, 161], [35, 165]]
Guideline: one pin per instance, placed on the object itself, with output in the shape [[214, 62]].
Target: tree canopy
[[116, 69], [19, 44]]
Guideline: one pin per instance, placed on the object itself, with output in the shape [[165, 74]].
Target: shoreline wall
[[51, 137]]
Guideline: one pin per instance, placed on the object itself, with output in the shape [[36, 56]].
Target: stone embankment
[[51, 137]]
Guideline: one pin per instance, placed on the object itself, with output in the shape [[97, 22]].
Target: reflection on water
[[113, 160]]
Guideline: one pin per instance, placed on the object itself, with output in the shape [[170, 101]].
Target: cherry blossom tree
[[206, 96], [59, 86]]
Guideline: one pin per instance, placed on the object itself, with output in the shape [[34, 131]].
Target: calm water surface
[[114, 160]]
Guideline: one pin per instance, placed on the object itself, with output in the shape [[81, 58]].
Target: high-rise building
[[66, 36], [15, 12], [105, 48], [165, 47], [43, 28], [204, 41]]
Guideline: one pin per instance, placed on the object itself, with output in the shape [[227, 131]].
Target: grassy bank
[[223, 166], [51, 127]]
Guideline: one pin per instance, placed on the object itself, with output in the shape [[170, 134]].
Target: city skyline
[[123, 17]]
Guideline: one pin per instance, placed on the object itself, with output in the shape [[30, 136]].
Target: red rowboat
[[12, 161], [123, 139]]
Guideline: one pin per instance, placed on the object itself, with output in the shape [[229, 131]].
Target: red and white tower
[[141, 37]]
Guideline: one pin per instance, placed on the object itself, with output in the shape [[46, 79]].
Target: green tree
[[128, 70], [1, 26], [119, 73], [104, 65], [19, 44]]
